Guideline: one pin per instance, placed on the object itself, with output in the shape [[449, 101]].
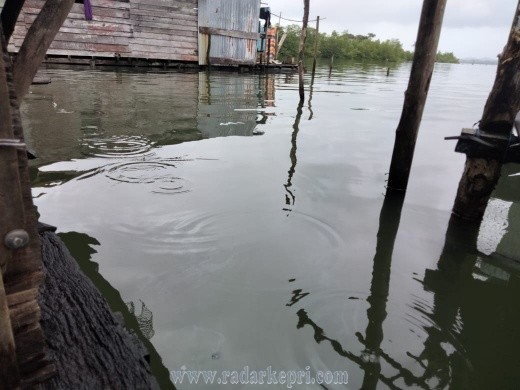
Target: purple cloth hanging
[[87, 5]]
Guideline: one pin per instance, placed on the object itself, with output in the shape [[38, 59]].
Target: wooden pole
[[9, 375], [208, 51], [10, 14], [37, 41], [301, 54], [11, 216], [481, 175], [316, 45], [416, 93]]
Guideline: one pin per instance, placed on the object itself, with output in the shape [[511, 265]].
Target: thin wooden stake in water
[[481, 174], [303, 38], [316, 38], [416, 93]]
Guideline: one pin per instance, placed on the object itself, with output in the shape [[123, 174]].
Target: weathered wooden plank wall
[[151, 29]]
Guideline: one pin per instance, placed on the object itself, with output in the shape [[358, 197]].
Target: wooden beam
[[229, 33], [10, 203], [416, 93], [10, 14], [481, 175], [37, 41], [301, 53]]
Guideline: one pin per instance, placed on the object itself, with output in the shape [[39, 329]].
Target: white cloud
[[471, 28]]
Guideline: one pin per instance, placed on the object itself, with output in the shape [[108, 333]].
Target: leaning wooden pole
[[416, 93], [301, 53], [481, 175], [10, 14], [316, 39], [37, 41]]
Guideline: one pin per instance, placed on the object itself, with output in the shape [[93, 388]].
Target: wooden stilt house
[[223, 32]]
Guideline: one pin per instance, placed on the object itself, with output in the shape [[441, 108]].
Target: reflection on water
[[144, 319], [290, 197], [391, 290], [81, 247]]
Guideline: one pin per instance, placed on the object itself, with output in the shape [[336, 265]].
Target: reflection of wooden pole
[[389, 220], [316, 38], [481, 174], [301, 53], [416, 93]]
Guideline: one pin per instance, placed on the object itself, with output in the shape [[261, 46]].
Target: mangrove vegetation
[[347, 46]]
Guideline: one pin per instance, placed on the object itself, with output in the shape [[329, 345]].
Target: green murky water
[[235, 228]]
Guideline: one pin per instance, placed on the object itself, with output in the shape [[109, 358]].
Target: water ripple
[[158, 174]]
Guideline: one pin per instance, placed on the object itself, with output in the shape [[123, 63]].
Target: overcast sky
[[471, 28]]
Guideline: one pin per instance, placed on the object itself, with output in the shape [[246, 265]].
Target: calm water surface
[[235, 228]]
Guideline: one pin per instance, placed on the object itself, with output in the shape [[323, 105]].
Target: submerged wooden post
[[37, 41], [316, 45], [301, 53], [416, 93], [481, 175]]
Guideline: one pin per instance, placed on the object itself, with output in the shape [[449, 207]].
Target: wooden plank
[[92, 25], [188, 13], [9, 375], [166, 31], [22, 297], [124, 18], [91, 38], [95, 31], [165, 56], [169, 3], [161, 49], [24, 314], [229, 33], [167, 26], [164, 43], [166, 20], [186, 37], [90, 47]]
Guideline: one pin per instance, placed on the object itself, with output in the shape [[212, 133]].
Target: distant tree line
[[349, 47]]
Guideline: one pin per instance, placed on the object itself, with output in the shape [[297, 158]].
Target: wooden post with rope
[[481, 173]]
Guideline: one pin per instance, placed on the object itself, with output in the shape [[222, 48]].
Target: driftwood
[[89, 346]]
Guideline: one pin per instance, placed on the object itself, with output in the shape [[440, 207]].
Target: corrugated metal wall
[[233, 28]]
